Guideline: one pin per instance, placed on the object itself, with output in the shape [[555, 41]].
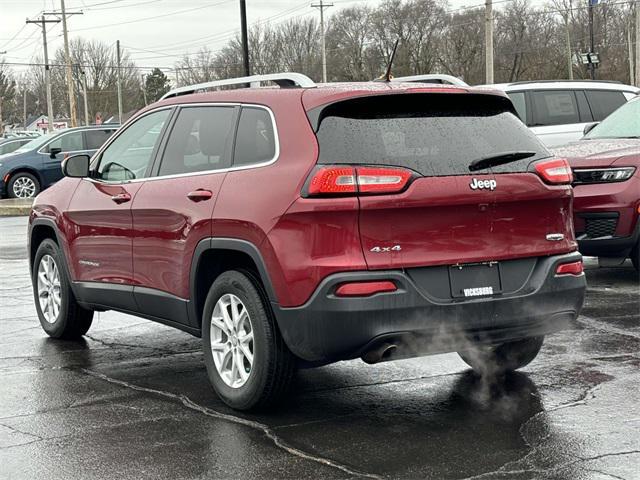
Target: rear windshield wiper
[[498, 159]]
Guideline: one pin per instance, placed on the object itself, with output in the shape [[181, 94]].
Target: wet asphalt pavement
[[132, 401]]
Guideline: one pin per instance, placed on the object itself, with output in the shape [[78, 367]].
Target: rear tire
[[506, 357], [245, 373], [58, 310]]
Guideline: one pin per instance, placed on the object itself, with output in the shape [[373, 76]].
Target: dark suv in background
[[36, 165], [316, 223]]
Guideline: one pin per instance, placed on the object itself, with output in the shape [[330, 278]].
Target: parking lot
[[132, 401]]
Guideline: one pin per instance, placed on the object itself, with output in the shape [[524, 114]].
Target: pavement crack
[[125, 345], [265, 429]]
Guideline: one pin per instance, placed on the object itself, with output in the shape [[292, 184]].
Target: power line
[[144, 19]]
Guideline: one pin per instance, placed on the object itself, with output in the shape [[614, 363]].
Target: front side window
[[129, 155], [255, 141], [554, 107], [199, 140], [70, 142]]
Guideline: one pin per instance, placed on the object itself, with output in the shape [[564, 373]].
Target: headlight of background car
[[602, 175]]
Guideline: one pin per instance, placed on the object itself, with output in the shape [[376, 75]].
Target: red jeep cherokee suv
[[308, 224]]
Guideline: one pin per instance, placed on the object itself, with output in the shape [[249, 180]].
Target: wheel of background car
[[247, 361], [509, 356], [57, 308], [23, 185]]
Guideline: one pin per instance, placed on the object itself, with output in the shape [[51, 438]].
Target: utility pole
[[321, 6], [592, 66], [245, 41], [488, 41], [144, 89], [630, 47], [73, 113], [637, 43], [84, 94], [119, 83], [47, 74], [1, 122], [24, 106]]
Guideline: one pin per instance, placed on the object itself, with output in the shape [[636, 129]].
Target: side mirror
[[54, 151], [588, 127], [76, 166]]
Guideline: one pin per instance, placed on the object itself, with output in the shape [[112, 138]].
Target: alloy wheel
[[49, 288], [24, 187], [232, 344]]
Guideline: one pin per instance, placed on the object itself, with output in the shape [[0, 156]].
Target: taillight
[[346, 180], [573, 268], [333, 180], [365, 289], [556, 171]]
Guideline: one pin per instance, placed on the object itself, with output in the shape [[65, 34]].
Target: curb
[[15, 208]]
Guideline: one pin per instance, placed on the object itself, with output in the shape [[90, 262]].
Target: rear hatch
[[420, 202]]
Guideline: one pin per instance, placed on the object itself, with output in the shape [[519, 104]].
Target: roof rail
[[284, 80], [433, 78], [576, 80]]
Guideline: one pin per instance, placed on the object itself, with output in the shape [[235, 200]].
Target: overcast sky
[[154, 32]]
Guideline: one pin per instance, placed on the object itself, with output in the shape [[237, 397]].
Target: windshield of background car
[[433, 134], [623, 123], [37, 143]]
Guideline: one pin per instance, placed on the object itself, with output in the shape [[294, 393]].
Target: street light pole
[[245, 41], [592, 66]]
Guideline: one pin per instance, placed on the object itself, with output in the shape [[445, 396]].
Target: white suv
[[558, 111]]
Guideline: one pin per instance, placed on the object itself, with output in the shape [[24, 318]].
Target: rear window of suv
[[432, 134]]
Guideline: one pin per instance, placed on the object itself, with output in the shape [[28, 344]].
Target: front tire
[[247, 361], [506, 357], [23, 185], [58, 310]]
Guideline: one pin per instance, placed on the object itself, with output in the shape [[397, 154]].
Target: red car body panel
[[621, 197], [100, 233], [168, 226]]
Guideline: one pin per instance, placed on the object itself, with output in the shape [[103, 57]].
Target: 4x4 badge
[[395, 248], [482, 184]]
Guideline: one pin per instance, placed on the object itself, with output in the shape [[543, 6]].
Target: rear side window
[[432, 134], [554, 107], [95, 138], [520, 104], [199, 140], [604, 102], [255, 140]]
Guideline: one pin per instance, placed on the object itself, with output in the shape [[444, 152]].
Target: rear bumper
[[328, 328]]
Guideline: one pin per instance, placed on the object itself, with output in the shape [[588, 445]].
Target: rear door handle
[[199, 195], [121, 198]]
